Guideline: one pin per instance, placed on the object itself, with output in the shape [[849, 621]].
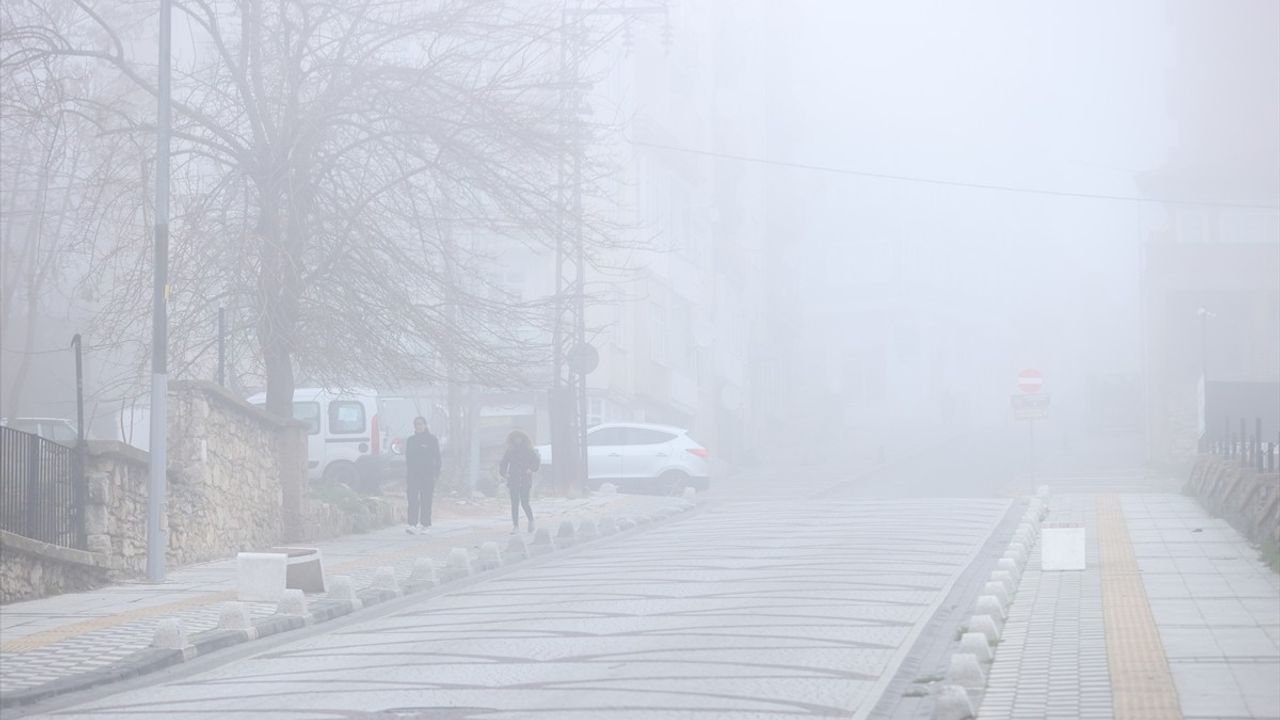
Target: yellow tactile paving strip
[[45, 638], [1141, 684]]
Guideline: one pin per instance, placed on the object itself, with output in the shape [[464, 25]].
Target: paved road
[[752, 608]]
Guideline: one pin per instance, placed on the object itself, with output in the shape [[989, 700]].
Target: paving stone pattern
[[1216, 604], [56, 638], [750, 609], [1051, 662]]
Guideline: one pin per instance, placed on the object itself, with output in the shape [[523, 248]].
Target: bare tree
[[324, 153]]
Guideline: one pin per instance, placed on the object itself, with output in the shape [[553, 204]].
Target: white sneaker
[[411, 529], [422, 529]]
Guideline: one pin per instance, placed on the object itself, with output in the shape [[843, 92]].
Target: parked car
[[342, 431], [58, 430], [639, 456]]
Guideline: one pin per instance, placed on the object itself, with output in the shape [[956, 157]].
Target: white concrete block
[[293, 602], [234, 616], [342, 587], [517, 548], [541, 543], [966, 671], [1005, 578], [1017, 551], [997, 590], [459, 561], [1062, 548], [566, 534], [424, 572], [260, 577], [490, 556], [1010, 566], [986, 625], [384, 578], [170, 635], [953, 704], [990, 605], [976, 643]]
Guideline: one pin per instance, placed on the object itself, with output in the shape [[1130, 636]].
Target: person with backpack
[[519, 463], [422, 467]]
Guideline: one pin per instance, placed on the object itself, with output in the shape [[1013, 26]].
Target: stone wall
[[115, 515], [234, 475], [31, 569]]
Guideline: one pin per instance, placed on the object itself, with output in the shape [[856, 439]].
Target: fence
[[41, 489], [1249, 449]]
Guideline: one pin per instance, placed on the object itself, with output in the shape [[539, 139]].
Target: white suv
[[638, 456]]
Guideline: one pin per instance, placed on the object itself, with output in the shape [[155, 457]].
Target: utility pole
[[156, 540], [568, 400]]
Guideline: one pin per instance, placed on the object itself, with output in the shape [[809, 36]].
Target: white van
[[342, 428]]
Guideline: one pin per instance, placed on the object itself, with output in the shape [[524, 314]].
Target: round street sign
[[583, 358], [1030, 381]]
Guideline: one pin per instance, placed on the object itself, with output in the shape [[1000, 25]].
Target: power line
[[948, 183]]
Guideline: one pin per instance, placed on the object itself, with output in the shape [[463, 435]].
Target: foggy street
[[594, 359]]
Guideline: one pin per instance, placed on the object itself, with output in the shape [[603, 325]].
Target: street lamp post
[[156, 541]]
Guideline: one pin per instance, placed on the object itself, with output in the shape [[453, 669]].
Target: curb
[[959, 696], [152, 659]]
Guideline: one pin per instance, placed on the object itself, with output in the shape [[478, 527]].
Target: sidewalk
[[1174, 617], [49, 642]]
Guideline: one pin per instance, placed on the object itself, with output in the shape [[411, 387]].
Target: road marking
[[1141, 685]]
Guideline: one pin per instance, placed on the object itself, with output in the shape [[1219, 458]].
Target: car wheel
[[672, 482], [342, 472]]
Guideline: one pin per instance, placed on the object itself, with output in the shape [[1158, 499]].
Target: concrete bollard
[[990, 605], [234, 616], [541, 543], [625, 524], [1017, 551], [587, 530], [457, 566], [342, 587], [643, 519], [293, 602], [608, 489], [424, 572], [996, 590], [690, 494], [976, 643], [986, 625], [170, 635], [1010, 566], [517, 549], [953, 704], [384, 578], [490, 557], [565, 535], [966, 671], [608, 526], [1005, 578]]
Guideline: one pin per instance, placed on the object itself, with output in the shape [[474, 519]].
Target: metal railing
[[1249, 449], [41, 489]]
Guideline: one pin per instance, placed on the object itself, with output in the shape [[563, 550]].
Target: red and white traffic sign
[[1030, 381]]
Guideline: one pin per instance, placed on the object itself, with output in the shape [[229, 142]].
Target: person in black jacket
[[519, 463], [422, 467]]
